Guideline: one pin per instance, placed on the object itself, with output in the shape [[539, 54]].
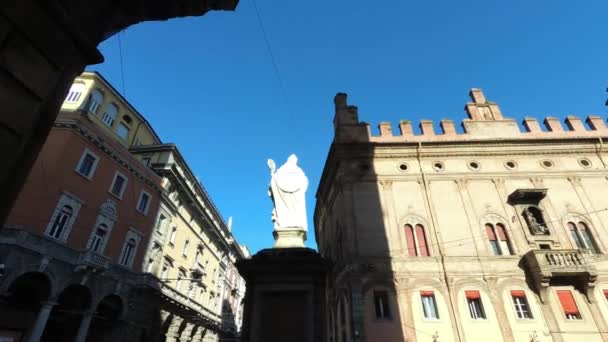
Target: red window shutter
[[424, 251], [409, 237], [490, 232], [567, 301], [606, 294], [427, 293], [518, 293], [500, 230], [472, 294]]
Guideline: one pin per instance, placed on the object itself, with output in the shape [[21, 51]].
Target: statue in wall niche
[[288, 185], [535, 221]]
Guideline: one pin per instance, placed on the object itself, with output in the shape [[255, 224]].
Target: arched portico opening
[[23, 300], [66, 316], [106, 319]]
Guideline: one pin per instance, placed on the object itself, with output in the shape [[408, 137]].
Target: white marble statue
[[287, 190]]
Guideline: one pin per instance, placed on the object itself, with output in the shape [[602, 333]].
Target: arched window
[[95, 101], [61, 222], [75, 92], [128, 252], [110, 115], [416, 240], [98, 239], [498, 239], [582, 237]]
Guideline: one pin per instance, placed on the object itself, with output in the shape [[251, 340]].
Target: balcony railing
[[553, 262], [90, 258], [572, 266]]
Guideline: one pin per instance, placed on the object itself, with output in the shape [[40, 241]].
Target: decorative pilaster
[[469, 209], [499, 308]]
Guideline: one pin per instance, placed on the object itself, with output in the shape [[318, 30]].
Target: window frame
[[382, 308], [185, 248], [120, 125], [475, 305], [432, 305], [94, 103], [102, 242], [84, 154], [138, 204], [127, 260], [583, 241], [124, 186], [521, 305], [173, 235], [497, 244], [66, 199], [112, 118], [569, 316], [73, 96], [417, 244]]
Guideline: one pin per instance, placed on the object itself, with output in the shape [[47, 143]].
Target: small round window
[[511, 165], [473, 165], [438, 166], [584, 162], [403, 167], [547, 163]]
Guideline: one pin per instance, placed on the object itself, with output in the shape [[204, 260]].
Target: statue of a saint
[[535, 226], [287, 190]]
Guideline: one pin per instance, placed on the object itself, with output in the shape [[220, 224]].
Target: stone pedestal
[[285, 298], [289, 237]]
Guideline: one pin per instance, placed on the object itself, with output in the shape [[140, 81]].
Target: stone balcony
[[558, 267], [89, 259]]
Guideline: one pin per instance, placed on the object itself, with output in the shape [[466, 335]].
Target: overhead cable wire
[[272, 59], [122, 67]]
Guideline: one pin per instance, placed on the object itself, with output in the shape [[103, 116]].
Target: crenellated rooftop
[[485, 122]]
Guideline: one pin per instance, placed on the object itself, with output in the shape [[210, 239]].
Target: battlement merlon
[[484, 122]]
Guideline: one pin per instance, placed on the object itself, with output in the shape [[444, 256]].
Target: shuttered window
[[416, 240], [568, 304]]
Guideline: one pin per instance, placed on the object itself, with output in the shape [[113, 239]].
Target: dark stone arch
[[22, 300], [28, 290], [66, 316], [106, 324]]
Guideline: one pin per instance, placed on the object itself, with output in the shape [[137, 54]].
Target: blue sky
[[208, 83]]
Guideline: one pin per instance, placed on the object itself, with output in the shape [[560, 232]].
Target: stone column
[[84, 327], [40, 324], [198, 334], [173, 331], [186, 334]]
